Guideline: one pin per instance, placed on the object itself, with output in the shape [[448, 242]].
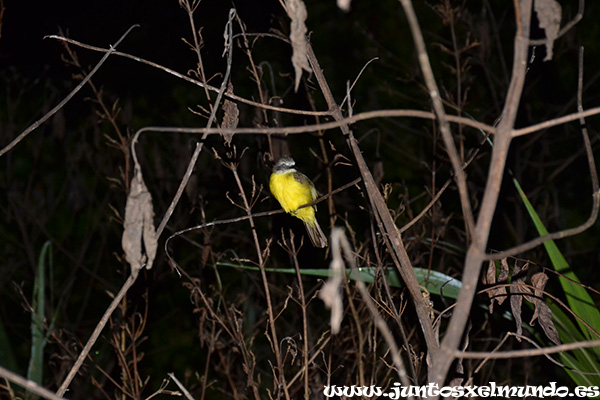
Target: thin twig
[[191, 80], [338, 123], [396, 315], [88, 346], [123, 143], [186, 393], [60, 105], [556, 121], [249, 216], [200, 144], [315, 354], [336, 257], [356, 80], [303, 306], [261, 262], [254, 70], [195, 33], [554, 235], [439, 193], [434, 94], [329, 125], [113, 305], [339, 245]]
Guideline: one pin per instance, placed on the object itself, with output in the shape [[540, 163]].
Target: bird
[[293, 189]]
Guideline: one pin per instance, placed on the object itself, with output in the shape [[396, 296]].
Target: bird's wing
[[303, 179]]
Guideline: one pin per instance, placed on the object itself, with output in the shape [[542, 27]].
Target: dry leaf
[[542, 312], [139, 236], [549, 14], [538, 281], [515, 307], [497, 294], [503, 276], [545, 318], [516, 300], [490, 274], [231, 118], [296, 10]]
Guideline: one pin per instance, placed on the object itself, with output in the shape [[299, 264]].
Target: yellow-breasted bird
[[293, 189]]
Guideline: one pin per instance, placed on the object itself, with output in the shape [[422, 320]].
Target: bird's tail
[[316, 235]]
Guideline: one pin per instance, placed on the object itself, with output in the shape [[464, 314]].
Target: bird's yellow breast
[[291, 194]]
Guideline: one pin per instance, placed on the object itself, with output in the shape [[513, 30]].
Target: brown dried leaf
[[538, 281], [503, 276], [490, 274], [519, 270], [545, 318], [499, 293], [542, 312], [549, 14], [296, 10], [139, 236], [515, 307], [231, 118], [516, 300]]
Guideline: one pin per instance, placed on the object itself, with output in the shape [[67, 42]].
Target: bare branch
[[340, 245], [386, 223], [528, 352], [29, 385], [438, 106], [476, 252], [95, 334], [191, 80], [64, 101]]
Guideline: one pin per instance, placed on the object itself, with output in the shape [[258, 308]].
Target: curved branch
[[192, 81], [367, 115]]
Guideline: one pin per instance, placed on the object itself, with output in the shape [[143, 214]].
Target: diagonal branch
[[385, 221], [60, 105]]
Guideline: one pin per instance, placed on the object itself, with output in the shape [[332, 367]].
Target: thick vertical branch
[[476, 253]]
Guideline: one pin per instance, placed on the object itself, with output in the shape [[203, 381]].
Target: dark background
[[65, 183]]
